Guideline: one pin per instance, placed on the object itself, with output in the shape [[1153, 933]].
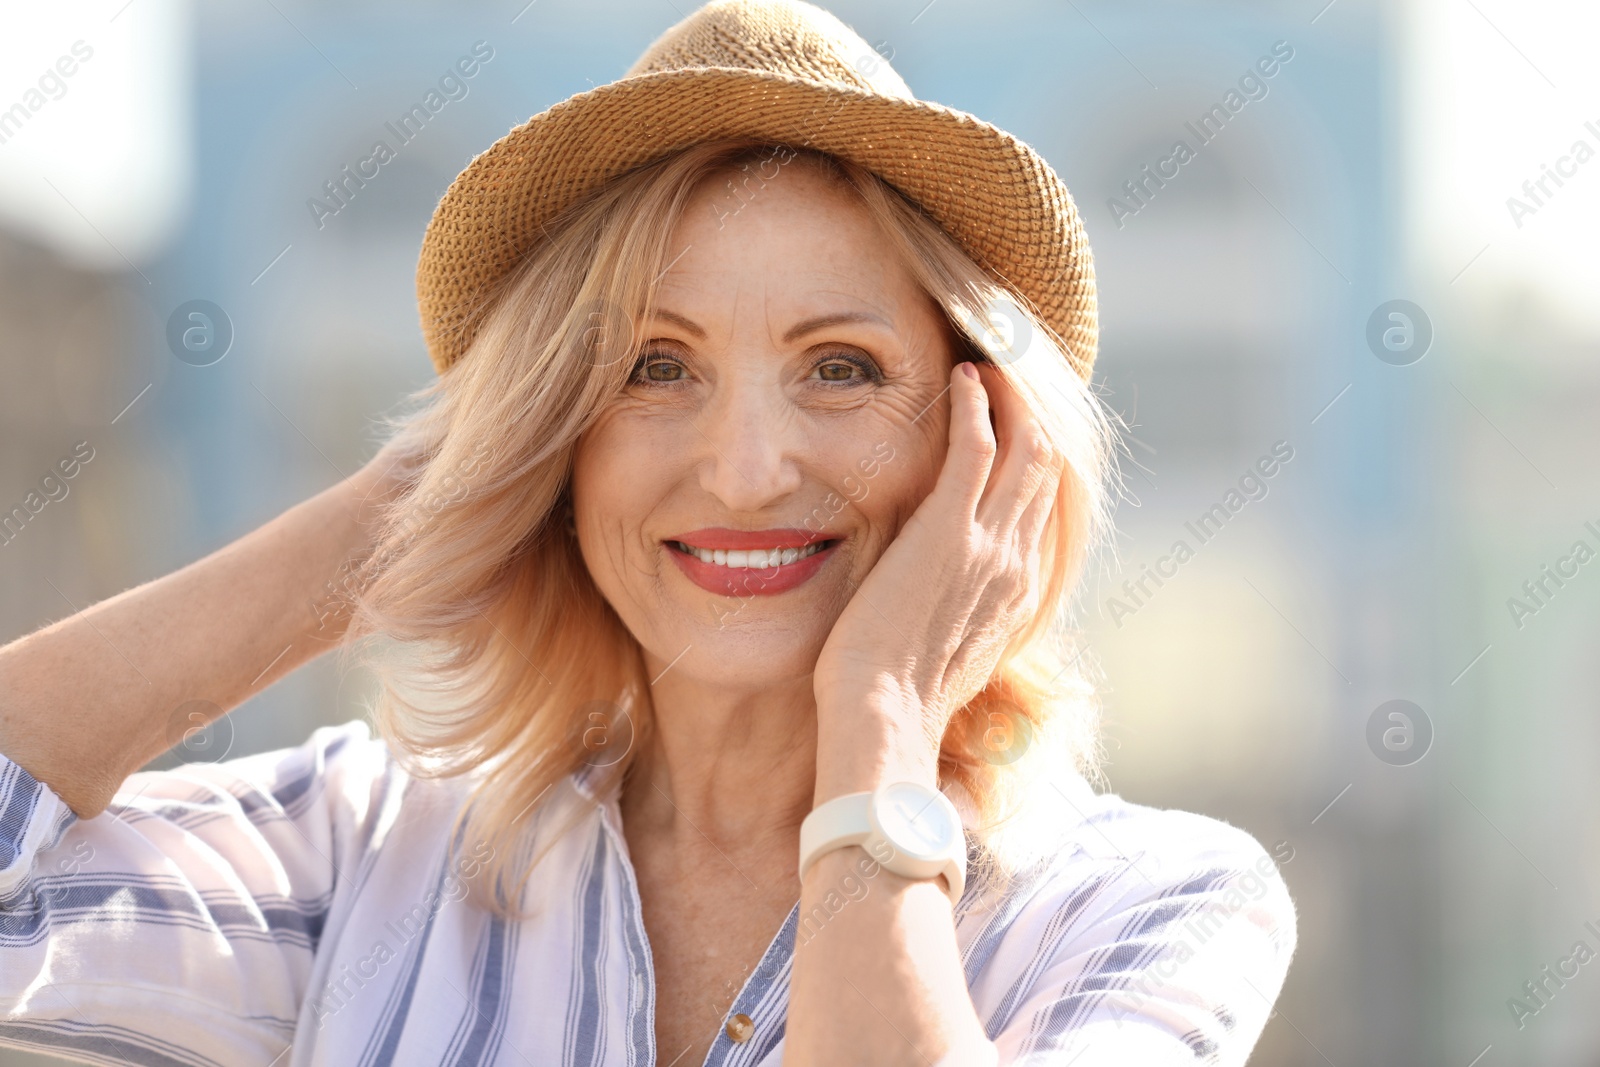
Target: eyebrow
[[798, 330]]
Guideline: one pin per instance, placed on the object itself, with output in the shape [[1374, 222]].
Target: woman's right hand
[[88, 700]]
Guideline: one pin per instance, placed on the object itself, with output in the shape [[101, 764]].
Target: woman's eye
[[658, 369], [844, 367]]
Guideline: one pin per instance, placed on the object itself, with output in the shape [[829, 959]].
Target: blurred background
[[1373, 272]]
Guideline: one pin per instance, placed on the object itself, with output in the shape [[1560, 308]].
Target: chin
[[755, 644], [733, 665]]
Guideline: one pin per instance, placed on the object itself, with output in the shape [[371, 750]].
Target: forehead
[[787, 243]]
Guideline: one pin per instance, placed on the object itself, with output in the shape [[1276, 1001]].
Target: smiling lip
[[767, 579], [724, 538]]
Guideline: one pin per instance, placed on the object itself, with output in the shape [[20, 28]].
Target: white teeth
[[756, 558]]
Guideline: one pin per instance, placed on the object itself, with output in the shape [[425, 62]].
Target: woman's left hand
[[924, 631]]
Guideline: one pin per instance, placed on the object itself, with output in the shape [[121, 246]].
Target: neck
[[734, 768]]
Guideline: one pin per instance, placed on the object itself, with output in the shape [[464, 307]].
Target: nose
[[753, 442]]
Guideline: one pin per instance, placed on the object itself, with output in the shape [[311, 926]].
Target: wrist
[[362, 497], [869, 744], [340, 527], [912, 829]]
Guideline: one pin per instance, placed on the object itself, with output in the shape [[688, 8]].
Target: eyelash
[[870, 372]]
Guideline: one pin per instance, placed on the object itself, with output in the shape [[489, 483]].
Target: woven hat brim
[[992, 192]]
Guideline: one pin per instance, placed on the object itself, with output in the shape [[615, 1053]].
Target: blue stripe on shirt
[[100, 1043], [19, 793], [158, 900], [586, 1034], [385, 1039]]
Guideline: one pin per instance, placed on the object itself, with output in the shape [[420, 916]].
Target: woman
[[730, 720]]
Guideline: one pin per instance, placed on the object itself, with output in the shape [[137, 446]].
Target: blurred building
[[1408, 500]]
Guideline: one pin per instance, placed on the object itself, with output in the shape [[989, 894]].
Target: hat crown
[[788, 37]]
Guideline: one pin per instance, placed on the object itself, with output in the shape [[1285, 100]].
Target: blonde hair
[[516, 648]]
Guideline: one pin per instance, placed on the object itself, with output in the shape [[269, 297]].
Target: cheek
[[883, 468], [617, 476]]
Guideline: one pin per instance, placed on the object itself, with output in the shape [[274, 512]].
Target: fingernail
[[970, 371]]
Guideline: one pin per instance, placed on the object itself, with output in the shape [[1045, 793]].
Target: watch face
[[916, 820]]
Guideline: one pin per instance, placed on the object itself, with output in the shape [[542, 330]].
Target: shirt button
[[739, 1028]]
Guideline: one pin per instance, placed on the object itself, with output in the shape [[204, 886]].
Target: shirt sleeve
[[1169, 954], [179, 926]]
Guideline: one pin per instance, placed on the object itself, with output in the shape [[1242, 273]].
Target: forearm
[[86, 701], [877, 973]]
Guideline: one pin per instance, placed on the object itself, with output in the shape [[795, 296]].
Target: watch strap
[[844, 820]]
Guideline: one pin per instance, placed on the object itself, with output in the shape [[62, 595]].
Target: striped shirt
[[306, 906]]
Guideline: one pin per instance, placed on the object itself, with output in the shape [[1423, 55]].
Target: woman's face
[[786, 418]]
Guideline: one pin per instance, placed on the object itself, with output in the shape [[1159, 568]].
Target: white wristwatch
[[910, 829]]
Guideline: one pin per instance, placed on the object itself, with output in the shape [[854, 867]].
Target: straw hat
[[774, 70]]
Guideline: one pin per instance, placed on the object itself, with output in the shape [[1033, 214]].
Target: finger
[[1024, 461], [972, 447], [1031, 525]]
